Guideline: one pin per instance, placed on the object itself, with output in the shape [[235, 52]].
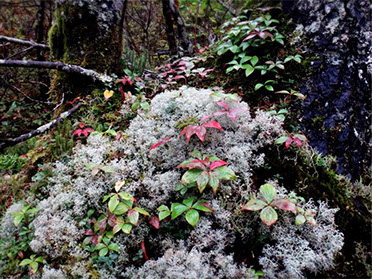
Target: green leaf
[[133, 217], [114, 247], [126, 196], [40, 259], [202, 181], [192, 217], [31, 211], [268, 191], [142, 211], [202, 205], [281, 140], [234, 49], [191, 176], [268, 215], [258, 86], [99, 246], [145, 105], [249, 70], [164, 212], [106, 240], [214, 181], [188, 202], [25, 262], [196, 154], [269, 87], [127, 228], [135, 105], [224, 173], [177, 209], [280, 41], [113, 203], [300, 219], [245, 59], [17, 220], [117, 228], [34, 266], [254, 60], [103, 252], [254, 205], [121, 209]]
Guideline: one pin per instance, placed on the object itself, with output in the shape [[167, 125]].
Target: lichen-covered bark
[[336, 33], [86, 33]]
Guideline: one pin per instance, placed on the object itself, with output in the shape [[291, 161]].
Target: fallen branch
[[60, 66], [227, 8], [41, 129], [23, 42]]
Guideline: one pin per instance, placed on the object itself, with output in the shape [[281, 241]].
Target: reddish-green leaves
[[297, 138], [206, 170], [199, 130], [231, 113], [268, 214]]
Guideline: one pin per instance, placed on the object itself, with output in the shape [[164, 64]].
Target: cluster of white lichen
[[151, 177]]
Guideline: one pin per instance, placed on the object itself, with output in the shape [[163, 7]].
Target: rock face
[[336, 113]]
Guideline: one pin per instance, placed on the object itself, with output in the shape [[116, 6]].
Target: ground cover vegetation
[[185, 159]]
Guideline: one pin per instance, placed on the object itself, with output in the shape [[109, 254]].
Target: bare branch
[[41, 129], [56, 66], [22, 42], [227, 8]]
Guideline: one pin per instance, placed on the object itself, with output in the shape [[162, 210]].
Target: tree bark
[[169, 27], [186, 44]]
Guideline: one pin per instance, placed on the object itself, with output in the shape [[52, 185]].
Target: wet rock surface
[[336, 35]]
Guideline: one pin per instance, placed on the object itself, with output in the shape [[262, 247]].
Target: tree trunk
[[85, 33], [169, 27]]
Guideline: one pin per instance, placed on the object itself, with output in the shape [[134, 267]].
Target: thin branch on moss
[[41, 129]]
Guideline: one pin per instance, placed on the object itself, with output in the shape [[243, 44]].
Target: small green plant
[[105, 246], [268, 214], [177, 209], [33, 262], [120, 203], [12, 162], [23, 215], [280, 113]]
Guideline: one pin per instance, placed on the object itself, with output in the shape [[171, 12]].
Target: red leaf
[[122, 94], [296, 140], [213, 124], [95, 239], [163, 141], [78, 132], [217, 164], [102, 225], [200, 131], [81, 125], [154, 221], [179, 77], [112, 220], [118, 136], [144, 250], [249, 37], [284, 204], [223, 105], [89, 130], [85, 132], [195, 164], [262, 35], [288, 142], [206, 117], [89, 232]]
